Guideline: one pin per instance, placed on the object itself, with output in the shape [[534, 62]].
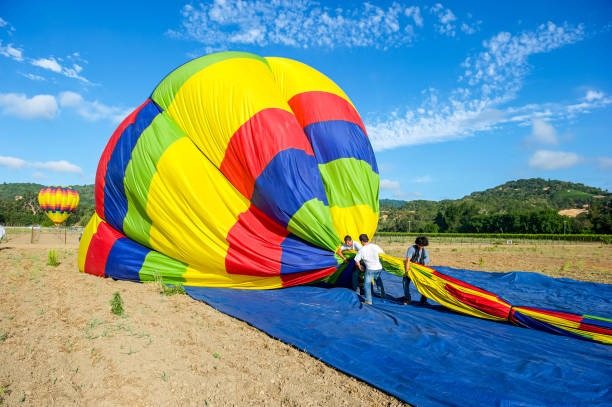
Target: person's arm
[[339, 253], [358, 261], [407, 263], [426, 259]]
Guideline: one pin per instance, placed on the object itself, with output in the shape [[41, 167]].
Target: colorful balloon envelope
[[238, 171], [58, 202]]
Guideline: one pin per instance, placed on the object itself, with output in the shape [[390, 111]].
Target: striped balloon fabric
[[58, 202], [239, 171], [468, 299]]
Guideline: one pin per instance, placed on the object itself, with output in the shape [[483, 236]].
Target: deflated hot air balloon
[[246, 172], [239, 171], [58, 202]]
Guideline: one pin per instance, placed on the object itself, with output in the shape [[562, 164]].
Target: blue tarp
[[429, 356]]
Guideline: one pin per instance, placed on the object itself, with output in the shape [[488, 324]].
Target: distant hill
[[536, 193], [396, 203], [11, 190], [523, 194], [532, 205]]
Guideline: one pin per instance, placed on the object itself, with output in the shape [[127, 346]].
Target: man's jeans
[[406, 284], [367, 284], [355, 280]]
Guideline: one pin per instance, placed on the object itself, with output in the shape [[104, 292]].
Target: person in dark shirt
[[416, 253]]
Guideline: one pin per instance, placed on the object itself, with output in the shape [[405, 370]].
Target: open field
[[61, 345], [577, 260]]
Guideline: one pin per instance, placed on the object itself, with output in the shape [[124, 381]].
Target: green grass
[[167, 289], [117, 304], [52, 258], [3, 391]]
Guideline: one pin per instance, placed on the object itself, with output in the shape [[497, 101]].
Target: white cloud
[[543, 133], [32, 76], [57, 166], [470, 29], [46, 107], [70, 99], [605, 163], [52, 64], [553, 160], [6, 25], [92, 111], [415, 13], [491, 78], [12, 162], [594, 95], [47, 63], [53, 166], [39, 175], [446, 20], [389, 185], [11, 52], [499, 70], [300, 23], [37, 107], [423, 179]]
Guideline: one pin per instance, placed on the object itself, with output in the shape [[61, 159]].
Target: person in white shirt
[[2, 232], [373, 268], [349, 244]]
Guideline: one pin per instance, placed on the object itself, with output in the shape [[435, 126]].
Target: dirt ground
[[60, 345], [580, 261]]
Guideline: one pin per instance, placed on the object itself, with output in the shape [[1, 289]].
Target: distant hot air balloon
[[58, 202]]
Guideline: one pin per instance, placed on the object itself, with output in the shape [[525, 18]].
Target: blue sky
[[456, 96]]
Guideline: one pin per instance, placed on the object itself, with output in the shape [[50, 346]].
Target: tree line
[[468, 217]]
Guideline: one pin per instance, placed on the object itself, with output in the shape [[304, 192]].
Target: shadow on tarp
[[428, 356]]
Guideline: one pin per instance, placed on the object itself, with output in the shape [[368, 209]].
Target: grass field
[[61, 345]]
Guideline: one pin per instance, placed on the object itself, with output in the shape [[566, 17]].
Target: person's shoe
[[367, 303], [423, 300], [407, 300]]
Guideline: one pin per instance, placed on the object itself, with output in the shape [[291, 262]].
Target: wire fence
[[494, 239], [36, 234]]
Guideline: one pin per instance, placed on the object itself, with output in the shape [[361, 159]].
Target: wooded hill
[[523, 206]]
